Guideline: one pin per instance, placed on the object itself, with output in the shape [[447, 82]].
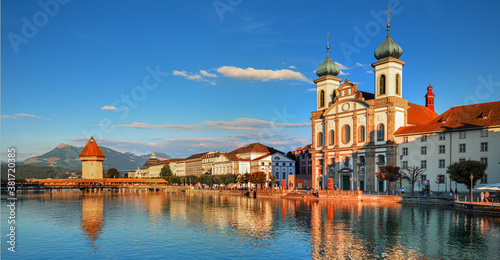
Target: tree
[[230, 178], [113, 173], [245, 178], [258, 178], [461, 171], [166, 171], [413, 173], [207, 179], [389, 173], [273, 179]]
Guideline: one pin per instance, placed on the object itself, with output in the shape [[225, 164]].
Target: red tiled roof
[[254, 148], [469, 116], [196, 156], [258, 158], [168, 161], [233, 157], [92, 149], [418, 115]]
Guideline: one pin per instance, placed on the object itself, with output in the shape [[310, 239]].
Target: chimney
[[429, 98]]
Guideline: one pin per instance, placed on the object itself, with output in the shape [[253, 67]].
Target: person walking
[[482, 196]]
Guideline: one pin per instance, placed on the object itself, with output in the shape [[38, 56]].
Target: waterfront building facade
[[207, 161], [194, 164], [354, 133], [303, 176], [277, 164], [228, 163], [470, 132], [180, 167], [92, 158]]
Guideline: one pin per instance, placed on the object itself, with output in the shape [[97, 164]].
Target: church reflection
[[92, 217]]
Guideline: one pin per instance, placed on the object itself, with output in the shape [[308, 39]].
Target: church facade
[[353, 131]]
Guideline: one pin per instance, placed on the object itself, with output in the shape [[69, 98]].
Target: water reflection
[[213, 225], [92, 217]]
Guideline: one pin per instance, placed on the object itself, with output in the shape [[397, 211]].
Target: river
[[175, 225]]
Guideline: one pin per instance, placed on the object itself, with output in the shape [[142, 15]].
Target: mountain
[[67, 156]]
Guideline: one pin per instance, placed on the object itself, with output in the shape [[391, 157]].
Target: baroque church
[[353, 131]]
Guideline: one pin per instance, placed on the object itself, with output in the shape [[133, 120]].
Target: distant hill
[[39, 172], [67, 156]]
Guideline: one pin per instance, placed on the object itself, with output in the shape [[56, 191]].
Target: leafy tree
[[207, 179], [175, 179], [258, 178], [244, 178], [191, 179], [413, 173], [273, 178], [230, 178], [166, 171], [113, 173], [461, 171], [389, 173]]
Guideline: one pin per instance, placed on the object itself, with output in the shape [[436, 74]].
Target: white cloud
[[148, 126], [258, 74], [342, 67], [196, 77], [250, 124], [108, 108], [7, 116], [26, 115], [206, 74], [292, 67], [180, 73], [369, 71], [311, 89]]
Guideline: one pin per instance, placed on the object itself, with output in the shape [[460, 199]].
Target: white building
[[459, 134], [276, 164], [228, 163]]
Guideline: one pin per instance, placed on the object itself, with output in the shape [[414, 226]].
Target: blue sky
[[183, 77]]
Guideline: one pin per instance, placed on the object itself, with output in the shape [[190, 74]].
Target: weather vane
[[388, 15], [327, 43]]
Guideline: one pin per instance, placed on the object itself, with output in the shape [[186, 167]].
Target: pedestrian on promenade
[[482, 196], [487, 196]]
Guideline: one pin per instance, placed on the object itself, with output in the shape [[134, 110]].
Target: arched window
[[332, 137], [397, 84], [320, 139], [361, 133], [381, 132], [322, 98], [346, 134], [381, 85]]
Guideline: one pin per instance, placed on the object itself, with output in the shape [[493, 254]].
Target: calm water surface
[[178, 225]]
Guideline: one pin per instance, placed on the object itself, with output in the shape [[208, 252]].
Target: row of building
[[250, 158]]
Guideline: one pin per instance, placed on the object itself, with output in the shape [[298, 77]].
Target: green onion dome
[[388, 48], [327, 67]]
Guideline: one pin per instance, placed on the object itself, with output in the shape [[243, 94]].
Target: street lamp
[[471, 178]]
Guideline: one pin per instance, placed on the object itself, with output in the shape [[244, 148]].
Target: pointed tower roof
[[92, 149], [327, 67], [388, 48]]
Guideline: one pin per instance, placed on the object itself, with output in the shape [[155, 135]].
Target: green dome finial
[[327, 67], [388, 48]]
